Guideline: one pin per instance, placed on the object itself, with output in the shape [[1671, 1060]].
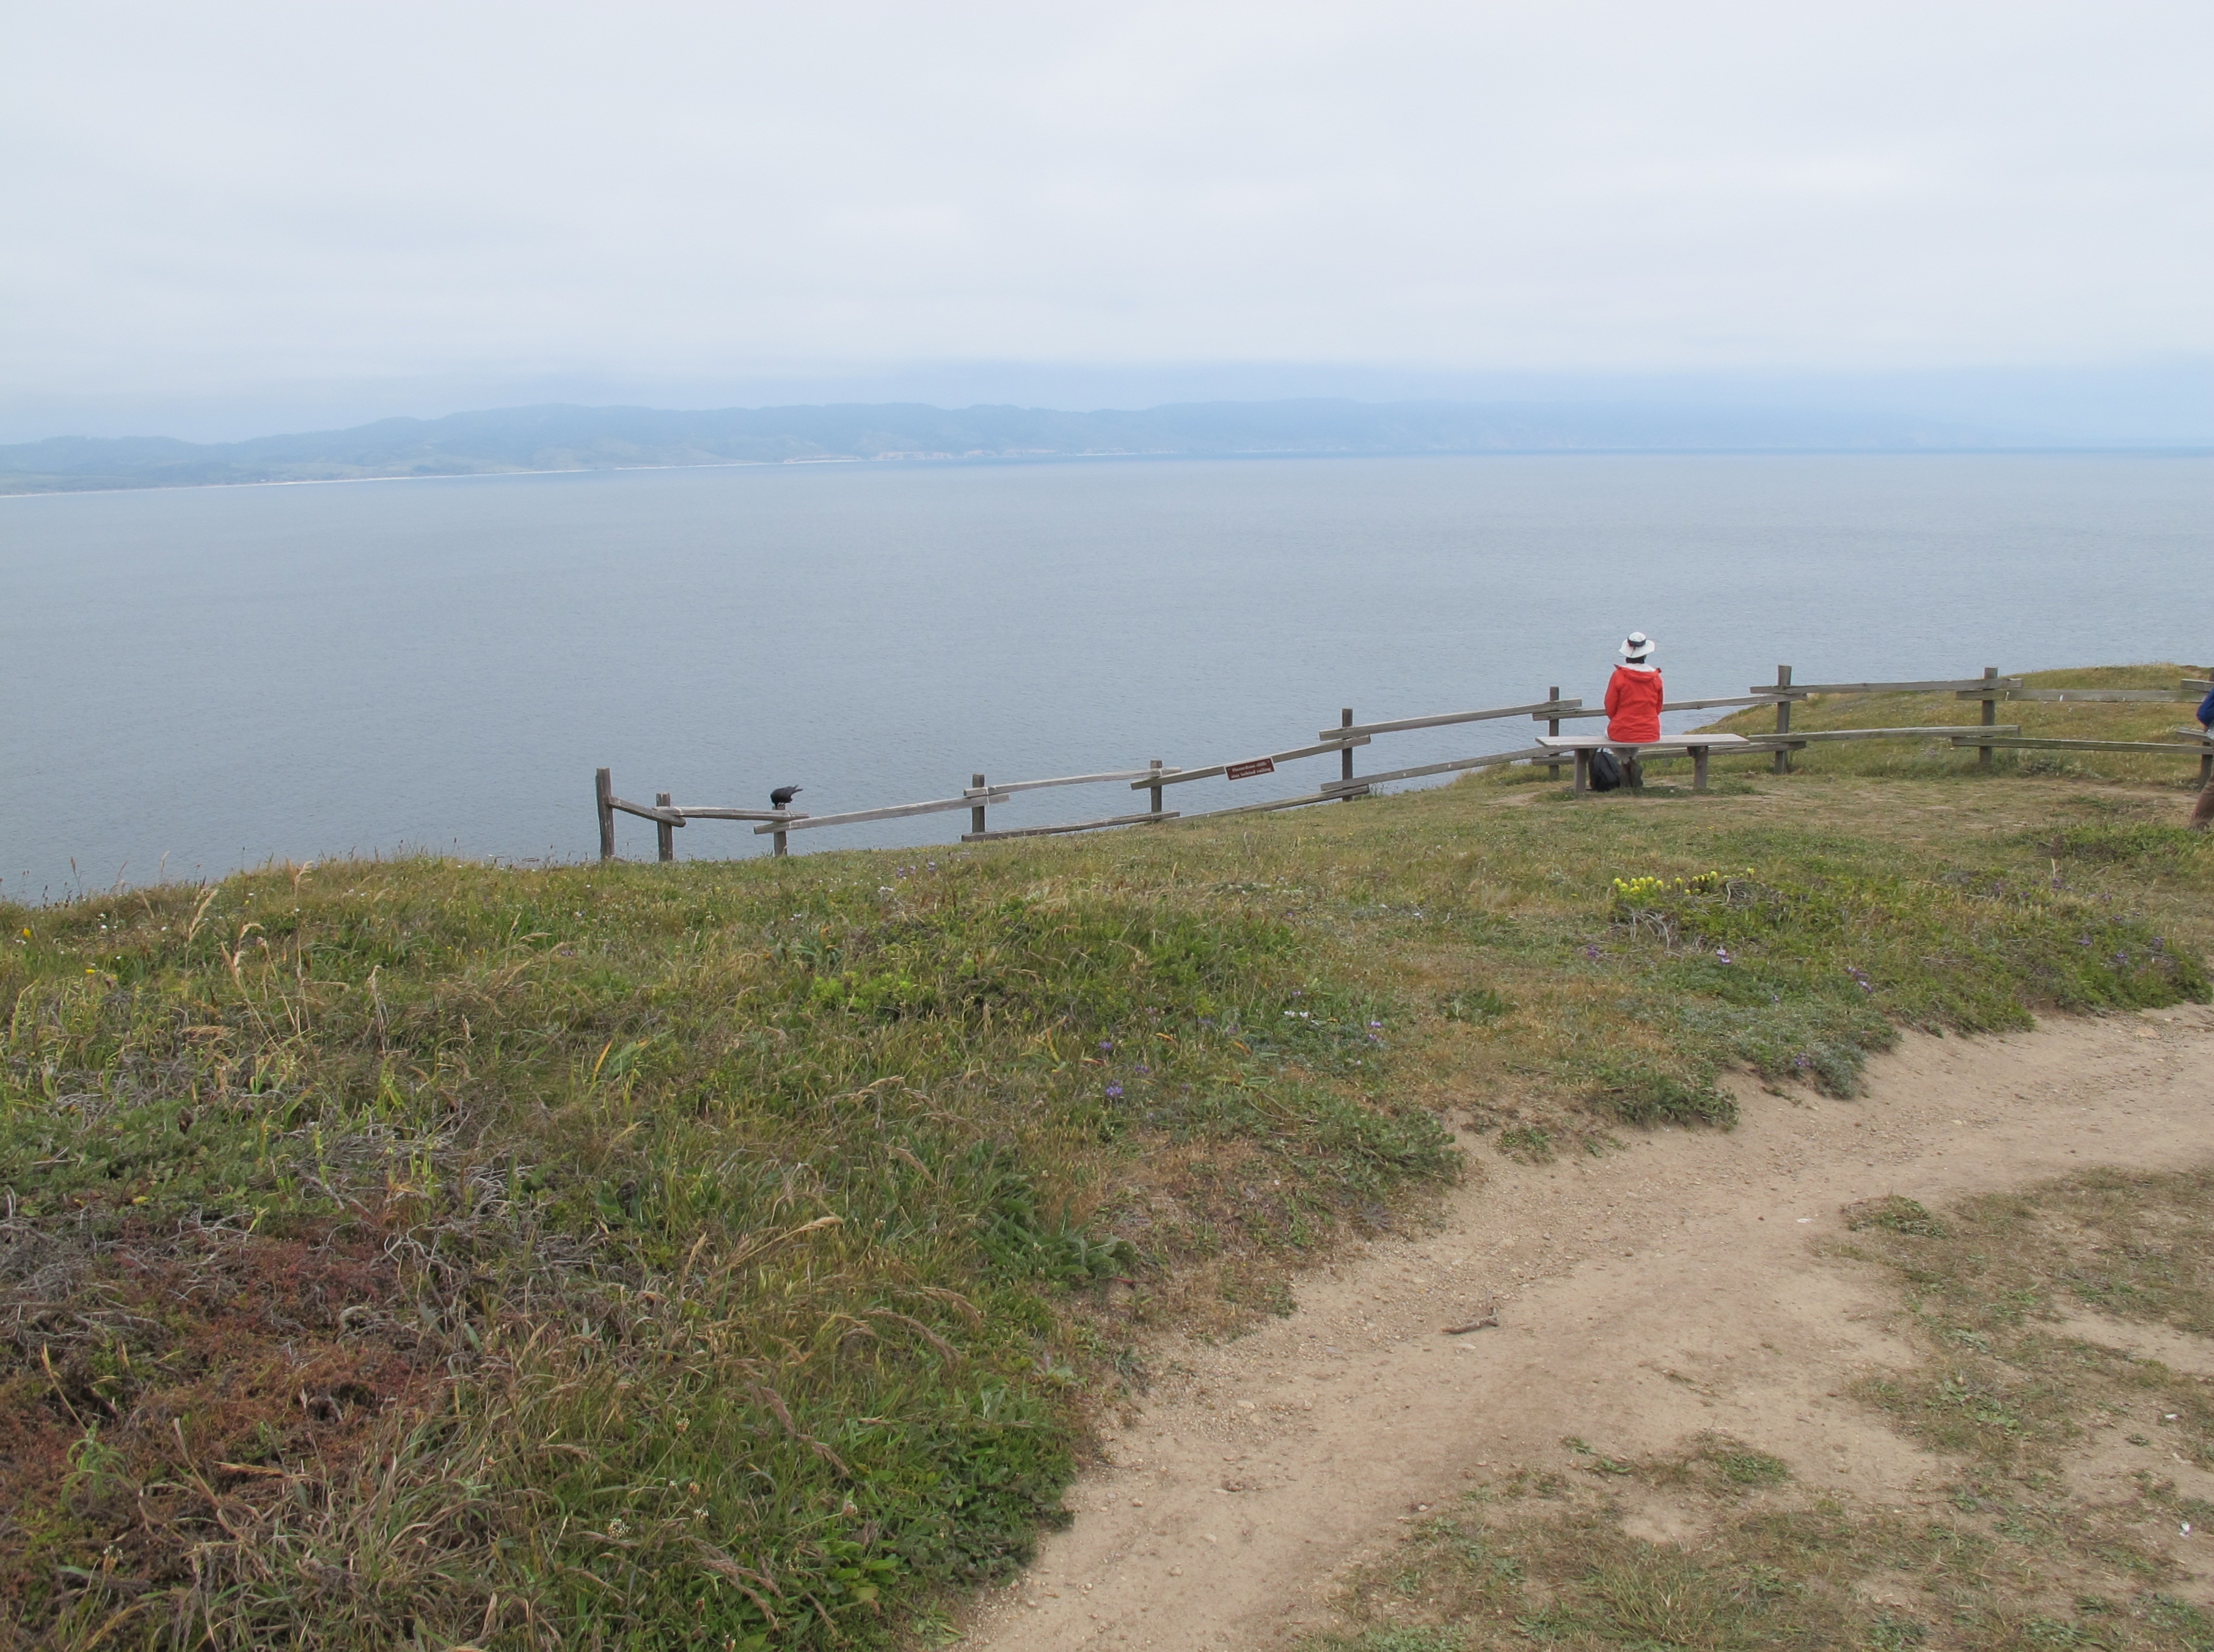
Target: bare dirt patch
[[2179, 1350], [1673, 1290]]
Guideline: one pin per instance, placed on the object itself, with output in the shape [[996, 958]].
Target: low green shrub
[[1895, 1214], [1636, 1092]]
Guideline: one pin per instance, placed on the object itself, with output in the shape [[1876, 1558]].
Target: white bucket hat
[[1637, 647]]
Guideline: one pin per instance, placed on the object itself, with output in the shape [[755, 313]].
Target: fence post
[[777, 842], [1345, 754], [976, 814], [663, 830], [1784, 720], [1990, 716], [1156, 791], [1553, 726], [603, 792]]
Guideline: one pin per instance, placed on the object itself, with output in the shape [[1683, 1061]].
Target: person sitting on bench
[[1633, 701]]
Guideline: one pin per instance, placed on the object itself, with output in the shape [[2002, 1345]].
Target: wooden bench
[[1698, 745]]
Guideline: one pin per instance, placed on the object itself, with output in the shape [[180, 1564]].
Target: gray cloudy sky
[[223, 217]]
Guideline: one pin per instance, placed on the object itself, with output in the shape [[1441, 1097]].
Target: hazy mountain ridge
[[560, 437]]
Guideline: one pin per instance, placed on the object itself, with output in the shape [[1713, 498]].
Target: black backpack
[[1605, 770]]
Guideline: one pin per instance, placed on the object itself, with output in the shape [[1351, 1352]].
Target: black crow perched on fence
[[782, 797]]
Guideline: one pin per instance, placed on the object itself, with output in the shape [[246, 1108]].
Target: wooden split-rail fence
[[1156, 778]]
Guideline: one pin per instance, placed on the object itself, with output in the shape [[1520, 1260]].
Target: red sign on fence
[[1247, 771]]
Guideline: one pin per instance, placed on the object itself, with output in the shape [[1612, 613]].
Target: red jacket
[[1633, 704]]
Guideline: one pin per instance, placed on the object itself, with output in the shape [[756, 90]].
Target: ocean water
[[195, 680]]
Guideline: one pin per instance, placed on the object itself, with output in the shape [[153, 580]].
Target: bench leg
[[1698, 769], [1583, 769]]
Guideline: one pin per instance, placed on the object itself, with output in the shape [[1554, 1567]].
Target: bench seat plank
[[1698, 745]]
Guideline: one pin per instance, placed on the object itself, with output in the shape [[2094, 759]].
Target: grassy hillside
[[2045, 719], [416, 1253]]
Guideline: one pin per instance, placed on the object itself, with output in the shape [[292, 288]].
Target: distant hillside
[[599, 438]]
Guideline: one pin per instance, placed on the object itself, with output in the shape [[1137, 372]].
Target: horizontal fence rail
[[898, 811], [1072, 826], [1555, 707], [1002, 787], [1250, 766], [1685, 705], [1985, 736], [1333, 795], [1458, 765], [1968, 688], [2091, 696], [1977, 738], [687, 812], [1935, 731]]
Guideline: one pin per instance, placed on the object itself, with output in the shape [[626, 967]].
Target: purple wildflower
[[1114, 1092], [1722, 953]]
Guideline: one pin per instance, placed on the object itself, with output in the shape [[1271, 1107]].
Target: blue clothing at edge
[[2206, 710]]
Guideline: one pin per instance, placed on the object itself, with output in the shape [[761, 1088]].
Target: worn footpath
[[1643, 1296]]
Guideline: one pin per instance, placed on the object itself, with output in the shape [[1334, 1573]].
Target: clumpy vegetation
[[1757, 935], [730, 1255], [612, 1256], [2057, 1532]]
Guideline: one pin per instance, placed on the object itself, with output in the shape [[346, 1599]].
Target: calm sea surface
[[195, 680]]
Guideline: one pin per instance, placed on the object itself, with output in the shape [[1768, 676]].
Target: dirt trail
[[1643, 1297]]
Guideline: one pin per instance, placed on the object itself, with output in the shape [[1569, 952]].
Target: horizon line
[[2083, 450]]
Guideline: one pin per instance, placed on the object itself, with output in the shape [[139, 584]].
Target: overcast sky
[[224, 212]]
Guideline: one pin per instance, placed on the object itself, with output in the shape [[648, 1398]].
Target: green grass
[[734, 1254], [1921, 759], [1756, 933], [741, 1199]]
